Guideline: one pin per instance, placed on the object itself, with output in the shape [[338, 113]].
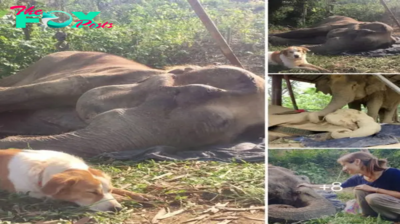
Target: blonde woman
[[377, 187]]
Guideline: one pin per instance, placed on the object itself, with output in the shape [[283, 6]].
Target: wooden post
[[390, 12], [277, 90], [388, 83], [210, 26], [290, 89]]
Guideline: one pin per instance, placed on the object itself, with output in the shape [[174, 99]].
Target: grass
[[345, 218], [194, 186]]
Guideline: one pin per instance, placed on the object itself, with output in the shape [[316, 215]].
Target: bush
[[290, 13], [156, 33]]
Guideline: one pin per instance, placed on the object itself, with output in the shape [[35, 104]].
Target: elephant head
[[195, 108], [344, 90], [288, 203]]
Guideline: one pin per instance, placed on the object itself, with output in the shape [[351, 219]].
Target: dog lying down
[[60, 176], [293, 57]]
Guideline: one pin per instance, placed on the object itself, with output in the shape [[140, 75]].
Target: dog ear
[[305, 50], [58, 183], [285, 52], [99, 173]]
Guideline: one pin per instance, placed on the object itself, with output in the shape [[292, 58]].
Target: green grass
[[344, 64], [193, 185], [345, 218]]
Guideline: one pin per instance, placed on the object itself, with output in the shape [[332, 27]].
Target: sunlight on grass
[[178, 183]]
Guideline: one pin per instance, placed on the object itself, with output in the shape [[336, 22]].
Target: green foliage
[[17, 53], [291, 12], [345, 218], [156, 33], [368, 10], [308, 99]]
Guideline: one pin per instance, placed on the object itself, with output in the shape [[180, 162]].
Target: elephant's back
[[336, 20]]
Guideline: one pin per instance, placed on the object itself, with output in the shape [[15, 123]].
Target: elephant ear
[[323, 85], [374, 85]]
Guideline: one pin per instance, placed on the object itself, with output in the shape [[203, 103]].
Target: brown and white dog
[[56, 175], [293, 57]]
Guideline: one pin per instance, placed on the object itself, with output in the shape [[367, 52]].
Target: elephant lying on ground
[[342, 123], [356, 90], [338, 34], [86, 103], [288, 203], [358, 124]]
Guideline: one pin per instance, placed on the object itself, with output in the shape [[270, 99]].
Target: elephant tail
[[289, 214]]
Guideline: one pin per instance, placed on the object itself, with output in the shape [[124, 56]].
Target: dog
[[293, 57], [56, 175]]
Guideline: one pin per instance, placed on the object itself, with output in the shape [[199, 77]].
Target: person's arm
[[314, 185], [368, 188], [351, 182]]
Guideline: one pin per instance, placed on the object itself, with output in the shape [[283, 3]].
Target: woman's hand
[[365, 187]]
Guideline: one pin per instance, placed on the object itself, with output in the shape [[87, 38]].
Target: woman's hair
[[370, 162]]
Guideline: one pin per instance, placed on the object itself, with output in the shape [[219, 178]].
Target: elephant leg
[[39, 122], [373, 107], [42, 95], [59, 92], [305, 33], [332, 46], [396, 116], [275, 40], [388, 115]]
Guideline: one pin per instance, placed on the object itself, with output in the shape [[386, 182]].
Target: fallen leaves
[[219, 213], [165, 213]]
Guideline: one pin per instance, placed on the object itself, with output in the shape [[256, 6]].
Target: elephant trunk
[[79, 143], [288, 214], [335, 104]]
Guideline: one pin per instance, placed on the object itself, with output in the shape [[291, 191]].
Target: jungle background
[[157, 33], [303, 13]]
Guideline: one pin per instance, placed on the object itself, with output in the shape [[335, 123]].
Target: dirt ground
[[222, 217]]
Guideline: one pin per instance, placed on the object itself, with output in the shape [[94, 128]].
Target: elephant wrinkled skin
[[358, 124], [338, 34], [86, 103], [355, 90], [342, 123], [288, 203]]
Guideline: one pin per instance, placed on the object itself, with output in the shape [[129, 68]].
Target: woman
[[377, 187]]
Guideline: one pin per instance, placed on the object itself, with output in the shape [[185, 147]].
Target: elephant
[[342, 123], [87, 103], [358, 124], [288, 203], [355, 90], [338, 34]]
